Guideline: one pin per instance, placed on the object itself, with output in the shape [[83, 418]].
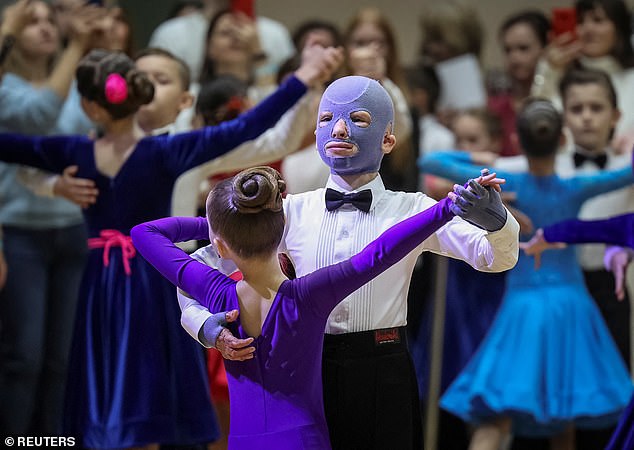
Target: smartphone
[[244, 6], [564, 20]]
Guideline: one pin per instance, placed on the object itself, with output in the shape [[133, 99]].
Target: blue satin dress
[[548, 359], [135, 376]]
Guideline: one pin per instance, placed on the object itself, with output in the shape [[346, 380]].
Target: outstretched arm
[[53, 153], [155, 241], [184, 151], [616, 231], [341, 279], [458, 167]]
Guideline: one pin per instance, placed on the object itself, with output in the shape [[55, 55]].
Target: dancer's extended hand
[[618, 262], [537, 245]]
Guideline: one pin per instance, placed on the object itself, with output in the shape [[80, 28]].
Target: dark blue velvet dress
[[135, 376]]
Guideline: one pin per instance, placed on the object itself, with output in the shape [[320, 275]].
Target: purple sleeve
[[183, 151], [326, 287], [155, 241], [617, 231]]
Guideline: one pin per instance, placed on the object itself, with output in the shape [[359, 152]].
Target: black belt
[[382, 341]]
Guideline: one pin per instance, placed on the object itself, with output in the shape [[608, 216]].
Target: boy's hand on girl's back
[[229, 346]]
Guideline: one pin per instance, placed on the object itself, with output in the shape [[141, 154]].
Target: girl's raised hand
[[318, 64], [562, 51], [16, 17]]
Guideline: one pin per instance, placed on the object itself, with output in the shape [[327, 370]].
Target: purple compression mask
[[343, 97]]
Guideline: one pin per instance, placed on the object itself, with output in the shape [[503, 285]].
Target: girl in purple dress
[[276, 397], [136, 379]]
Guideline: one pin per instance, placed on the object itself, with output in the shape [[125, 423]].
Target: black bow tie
[[600, 160], [361, 200]]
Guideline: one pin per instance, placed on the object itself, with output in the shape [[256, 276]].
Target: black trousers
[[370, 391], [616, 313]]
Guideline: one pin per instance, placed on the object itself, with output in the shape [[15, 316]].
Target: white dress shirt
[[315, 237]]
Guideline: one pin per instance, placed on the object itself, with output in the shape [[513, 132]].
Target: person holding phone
[[600, 40]]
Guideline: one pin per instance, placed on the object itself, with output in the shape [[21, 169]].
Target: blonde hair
[[375, 17]]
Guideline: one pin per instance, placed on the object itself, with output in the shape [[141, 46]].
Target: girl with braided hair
[[136, 379]]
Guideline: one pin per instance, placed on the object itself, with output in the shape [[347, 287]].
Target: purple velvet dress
[[276, 397], [617, 230], [135, 376]]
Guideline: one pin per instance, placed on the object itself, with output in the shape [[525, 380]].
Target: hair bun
[[258, 189], [141, 86]]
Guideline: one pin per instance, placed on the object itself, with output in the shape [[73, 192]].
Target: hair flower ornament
[[116, 89]]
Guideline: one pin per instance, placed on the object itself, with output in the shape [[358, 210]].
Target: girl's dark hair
[[181, 5], [424, 76], [535, 19], [208, 71], [93, 71], [619, 14], [491, 121], [221, 99], [246, 211], [539, 127], [301, 32], [587, 76]]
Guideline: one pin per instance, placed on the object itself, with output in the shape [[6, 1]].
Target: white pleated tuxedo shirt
[[315, 237]]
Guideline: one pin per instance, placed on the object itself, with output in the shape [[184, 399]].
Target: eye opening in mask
[[361, 118], [324, 118]]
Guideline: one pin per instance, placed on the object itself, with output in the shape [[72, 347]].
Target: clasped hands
[[479, 201]]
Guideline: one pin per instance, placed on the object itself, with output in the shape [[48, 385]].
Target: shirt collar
[[583, 151], [376, 186], [167, 129]]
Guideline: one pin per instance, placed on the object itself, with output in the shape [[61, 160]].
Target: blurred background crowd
[[458, 71]]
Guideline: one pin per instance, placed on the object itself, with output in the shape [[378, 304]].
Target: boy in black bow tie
[[370, 392]]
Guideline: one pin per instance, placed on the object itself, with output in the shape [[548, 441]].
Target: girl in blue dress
[[618, 230], [548, 362], [136, 378]]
